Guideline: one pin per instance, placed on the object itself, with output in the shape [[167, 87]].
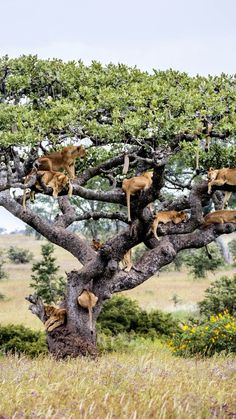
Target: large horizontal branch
[[91, 172], [56, 234], [115, 196], [164, 254], [96, 215], [69, 214]]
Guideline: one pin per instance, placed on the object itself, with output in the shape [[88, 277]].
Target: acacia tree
[[159, 121]]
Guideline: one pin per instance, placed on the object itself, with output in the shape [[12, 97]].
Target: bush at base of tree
[[20, 339], [122, 324], [220, 296], [123, 315], [17, 255], [212, 336]]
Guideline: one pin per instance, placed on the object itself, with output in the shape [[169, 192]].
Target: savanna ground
[[143, 381]]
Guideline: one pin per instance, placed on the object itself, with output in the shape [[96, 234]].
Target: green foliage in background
[[45, 280], [212, 336], [199, 263], [20, 339], [18, 255], [232, 246], [3, 273], [220, 296]]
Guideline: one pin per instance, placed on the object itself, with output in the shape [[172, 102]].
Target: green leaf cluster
[[199, 263], [3, 273]]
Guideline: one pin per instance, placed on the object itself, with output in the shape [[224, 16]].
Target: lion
[[166, 217], [63, 159], [126, 262], [56, 317], [88, 300], [135, 184], [220, 177], [220, 217], [55, 180]]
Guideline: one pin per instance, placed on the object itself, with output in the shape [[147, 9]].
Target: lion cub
[[220, 217], [166, 217], [135, 184], [55, 180], [56, 317]]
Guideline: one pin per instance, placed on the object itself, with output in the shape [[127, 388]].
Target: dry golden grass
[[147, 383]]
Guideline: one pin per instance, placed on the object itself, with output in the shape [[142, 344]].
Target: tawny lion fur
[[220, 217], [63, 159], [88, 300], [127, 261], [55, 180], [56, 317], [166, 217], [220, 177], [135, 184]]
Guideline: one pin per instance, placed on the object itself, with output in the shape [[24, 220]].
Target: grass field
[[156, 293], [145, 381]]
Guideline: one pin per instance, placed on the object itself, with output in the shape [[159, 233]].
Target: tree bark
[[101, 273]]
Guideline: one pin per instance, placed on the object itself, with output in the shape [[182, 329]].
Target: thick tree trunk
[[64, 342], [75, 337]]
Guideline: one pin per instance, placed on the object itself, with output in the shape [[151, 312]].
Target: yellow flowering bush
[[213, 335]]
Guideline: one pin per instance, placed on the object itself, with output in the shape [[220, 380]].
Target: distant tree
[[45, 280], [199, 262]]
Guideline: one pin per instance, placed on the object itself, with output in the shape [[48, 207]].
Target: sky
[[198, 37]]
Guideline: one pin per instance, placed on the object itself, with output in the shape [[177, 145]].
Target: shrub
[[123, 315], [17, 255], [212, 336], [19, 339], [3, 273], [220, 296]]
